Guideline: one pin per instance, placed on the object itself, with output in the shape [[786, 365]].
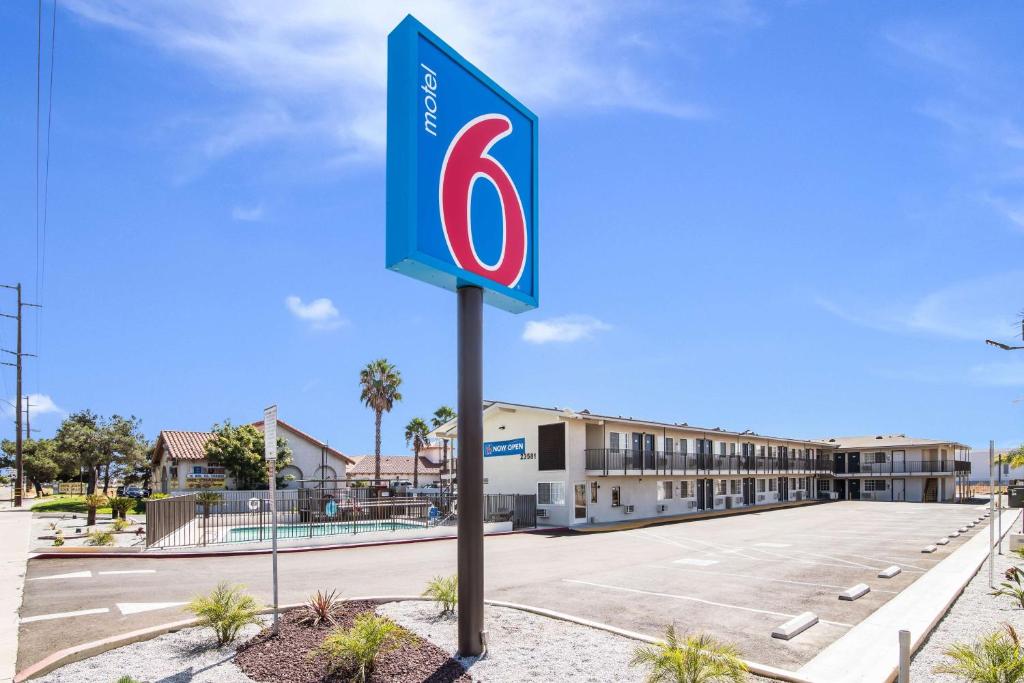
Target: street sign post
[[270, 453], [461, 214]]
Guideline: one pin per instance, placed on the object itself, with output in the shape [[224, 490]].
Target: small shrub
[[444, 590], [59, 540], [1012, 587], [95, 500], [696, 658], [153, 496], [357, 648], [100, 538], [227, 610], [320, 608], [128, 679], [995, 658], [121, 524], [119, 506]]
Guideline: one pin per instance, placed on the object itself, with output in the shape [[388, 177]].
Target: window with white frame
[[721, 448], [879, 458], [823, 485], [771, 484], [684, 489], [616, 496], [732, 449], [792, 482], [593, 491], [874, 485], [664, 490], [613, 441], [551, 493], [721, 486], [734, 486], [760, 485], [682, 446], [669, 444]]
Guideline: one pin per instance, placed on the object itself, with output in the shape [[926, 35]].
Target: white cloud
[[978, 309], [318, 68], [564, 329], [247, 214], [40, 404], [321, 313]]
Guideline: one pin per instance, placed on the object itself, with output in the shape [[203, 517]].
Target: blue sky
[[800, 218]]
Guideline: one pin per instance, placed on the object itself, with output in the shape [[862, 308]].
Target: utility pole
[[18, 355]]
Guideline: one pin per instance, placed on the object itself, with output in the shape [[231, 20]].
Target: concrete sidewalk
[[869, 652], [15, 527]]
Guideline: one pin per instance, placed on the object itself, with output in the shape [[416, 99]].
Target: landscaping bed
[[291, 656]]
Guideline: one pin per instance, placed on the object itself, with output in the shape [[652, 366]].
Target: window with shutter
[[551, 447]]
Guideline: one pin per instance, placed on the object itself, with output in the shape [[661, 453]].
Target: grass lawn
[[70, 504]]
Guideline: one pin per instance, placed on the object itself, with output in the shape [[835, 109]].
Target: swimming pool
[[239, 534]]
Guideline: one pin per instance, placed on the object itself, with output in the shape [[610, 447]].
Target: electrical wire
[[46, 188]]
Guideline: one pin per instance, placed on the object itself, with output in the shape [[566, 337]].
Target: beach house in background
[[180, 463]]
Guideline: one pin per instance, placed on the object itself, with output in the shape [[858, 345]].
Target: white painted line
[[763, 578], [795, 626], [929, 549], [854, 592], [129, 571], [942, 541], [772, 545], [136, 607], [693, 599], [889, 572], [695, 562], [71, 575], [64, 615]]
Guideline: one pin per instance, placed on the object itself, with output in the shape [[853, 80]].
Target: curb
[[155, 555], [91, 649], [694, 517]]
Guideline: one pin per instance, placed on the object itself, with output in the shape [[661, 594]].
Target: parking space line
[[70, 575], [128, 571], [762, 578], [700, 600], [64, 615]]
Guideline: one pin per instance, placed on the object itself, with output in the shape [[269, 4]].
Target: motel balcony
[[901, 467], [624, 461]]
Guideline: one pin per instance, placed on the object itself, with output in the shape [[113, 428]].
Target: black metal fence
[[626, 460], [907, 467], [220, 517]]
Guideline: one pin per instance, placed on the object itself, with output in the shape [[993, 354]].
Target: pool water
[[257, 533]]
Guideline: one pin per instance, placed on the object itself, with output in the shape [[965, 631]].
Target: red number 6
[[467, 161]]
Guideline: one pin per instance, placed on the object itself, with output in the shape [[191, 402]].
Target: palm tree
[[416, 437], [442, 416], [379, 382], [995, 658], [697, 658]]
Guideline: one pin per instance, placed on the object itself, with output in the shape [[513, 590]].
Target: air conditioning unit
[[760, 498], [691, 504], [542, 513], [627, 509], [661, 508]]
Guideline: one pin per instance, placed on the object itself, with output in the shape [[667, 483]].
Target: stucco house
[[395, 468], [180, 462]]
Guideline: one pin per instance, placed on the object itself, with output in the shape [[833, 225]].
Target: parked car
[[136, 492]]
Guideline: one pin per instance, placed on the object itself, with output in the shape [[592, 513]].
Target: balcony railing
[[629, 461], [909, 467]]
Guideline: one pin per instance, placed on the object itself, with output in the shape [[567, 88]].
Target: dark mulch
[[286, 658]]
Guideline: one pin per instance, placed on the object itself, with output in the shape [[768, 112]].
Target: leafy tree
[[37, 459], [124, 448], [241, 451], [78, 440], [379, 382], [442, 416], [416, 437]]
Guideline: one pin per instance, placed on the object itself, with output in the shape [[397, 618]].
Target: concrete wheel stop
[[795, 626], [854, 592], [889, 572]]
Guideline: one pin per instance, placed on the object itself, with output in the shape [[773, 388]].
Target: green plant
[[128, 679], [357, 648], [206, 499], [995, 658], [121, 524], [1012, 587], [227, 610], [320, 608], [120, 505], [100, 538], [697, 658], [93, 502], [59, 540], [445, 591]]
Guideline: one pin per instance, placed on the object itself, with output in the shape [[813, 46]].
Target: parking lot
[[737, 577]]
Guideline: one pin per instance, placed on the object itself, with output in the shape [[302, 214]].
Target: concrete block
[[955, 534], [962, 530], [929, 549], [854, 592], [970, 524], [795, 626], [942, 541], [889, 572]]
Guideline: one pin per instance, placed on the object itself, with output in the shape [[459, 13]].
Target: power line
[[39, 55], [46, 179]]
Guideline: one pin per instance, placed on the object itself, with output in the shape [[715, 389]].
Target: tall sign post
[[992, 513], [462, 215], [270, 452]]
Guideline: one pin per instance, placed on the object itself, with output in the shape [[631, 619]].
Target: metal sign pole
[[992, 511], [471, 471], [270, 451]]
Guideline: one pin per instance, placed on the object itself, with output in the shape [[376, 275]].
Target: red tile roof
[[183, 445], [392, 465]]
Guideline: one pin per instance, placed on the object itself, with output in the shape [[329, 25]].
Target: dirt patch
[[287, 658]]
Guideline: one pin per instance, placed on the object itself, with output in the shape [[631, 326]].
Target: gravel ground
[[527, 648], [974, 614], [186, 656], [69, 522]]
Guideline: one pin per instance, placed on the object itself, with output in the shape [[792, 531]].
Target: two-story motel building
[[588, 468]]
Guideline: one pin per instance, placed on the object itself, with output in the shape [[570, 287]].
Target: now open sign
[[509, 447], [461, 174]]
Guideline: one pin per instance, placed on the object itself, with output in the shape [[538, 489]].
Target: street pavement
[[736, 577]]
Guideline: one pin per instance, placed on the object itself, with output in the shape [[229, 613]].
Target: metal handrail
[[626, 460]]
